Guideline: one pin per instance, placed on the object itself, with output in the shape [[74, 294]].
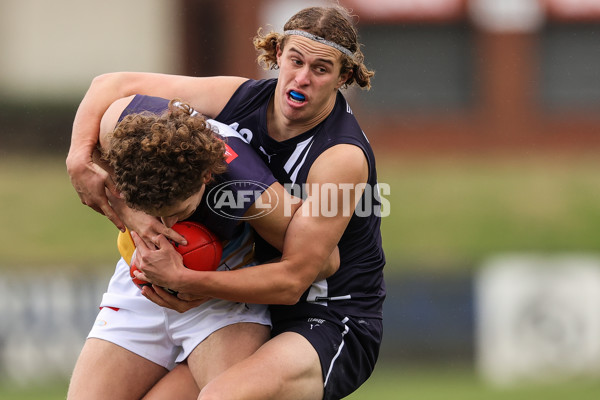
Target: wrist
[[78, 159], [192, 282]]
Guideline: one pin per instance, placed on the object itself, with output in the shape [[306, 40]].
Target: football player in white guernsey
[[326, 334]]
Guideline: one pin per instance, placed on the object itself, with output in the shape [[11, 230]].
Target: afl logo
[[231, 199]]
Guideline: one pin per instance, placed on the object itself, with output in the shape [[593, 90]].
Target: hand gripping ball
[[202, 253]]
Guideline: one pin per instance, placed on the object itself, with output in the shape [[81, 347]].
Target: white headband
[[320, 40]]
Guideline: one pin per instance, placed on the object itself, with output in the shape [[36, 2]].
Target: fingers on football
[[173, 235]]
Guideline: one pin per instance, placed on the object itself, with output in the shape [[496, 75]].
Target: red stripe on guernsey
[[230, 155]]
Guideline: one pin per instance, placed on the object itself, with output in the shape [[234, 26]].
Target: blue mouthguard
[[297, 96]]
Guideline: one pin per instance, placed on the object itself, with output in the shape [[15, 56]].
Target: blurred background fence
[[483, 115]]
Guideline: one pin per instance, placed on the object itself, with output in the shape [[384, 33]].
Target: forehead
[[312, 49], [179, 207], [169, 211]]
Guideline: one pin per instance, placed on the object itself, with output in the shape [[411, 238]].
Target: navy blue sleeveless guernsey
[[358, 288], [243, 164]]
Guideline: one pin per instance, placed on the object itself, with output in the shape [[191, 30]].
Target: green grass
[[444, 212], [459, 211], [396, 383], [44, 223], [51, 391]]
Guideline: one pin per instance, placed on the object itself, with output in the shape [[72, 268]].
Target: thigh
[[178, 384], [225, 348], [190, 329], [219, 351], [107, 371], [347, 347], [286, 367]]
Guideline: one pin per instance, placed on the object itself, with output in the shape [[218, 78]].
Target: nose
[[303, 76], [169, 221]]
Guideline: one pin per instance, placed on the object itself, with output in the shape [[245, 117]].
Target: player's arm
[[310, 239], [206, 95], [108, 123], [147, 226], [273, 226], [313, 237]]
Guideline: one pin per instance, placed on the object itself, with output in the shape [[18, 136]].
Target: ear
[[343, 78], [207, 177], [278, 53]]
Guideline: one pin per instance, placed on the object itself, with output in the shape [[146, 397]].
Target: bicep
[[207, 95], [271, 214], [336, 183]]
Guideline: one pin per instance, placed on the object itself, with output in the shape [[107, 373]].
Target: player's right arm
[[207, 95], [310, 239], [273, 226]]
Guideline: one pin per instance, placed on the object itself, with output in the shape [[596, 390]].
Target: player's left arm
[[335, 180]]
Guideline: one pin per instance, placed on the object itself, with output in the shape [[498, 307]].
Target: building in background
[[450, 74], [51, 50]]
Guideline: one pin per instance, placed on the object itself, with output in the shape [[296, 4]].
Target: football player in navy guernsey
[[326, 334], [163, 157]]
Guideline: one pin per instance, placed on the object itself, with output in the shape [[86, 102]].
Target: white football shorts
[[163, 336]]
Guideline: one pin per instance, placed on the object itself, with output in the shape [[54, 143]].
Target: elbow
[[103, 79], [294, 291], [290, 298], [109, 79], [296, 279], [120, 83]]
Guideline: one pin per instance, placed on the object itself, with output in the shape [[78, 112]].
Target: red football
[[203, 251], [140, 283]]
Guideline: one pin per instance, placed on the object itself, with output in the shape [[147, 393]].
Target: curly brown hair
[[159, 160], [331, 23]]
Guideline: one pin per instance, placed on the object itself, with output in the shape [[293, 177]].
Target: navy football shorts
[[348, 347]]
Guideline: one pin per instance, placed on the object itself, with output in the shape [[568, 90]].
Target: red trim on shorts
[[112, 308]]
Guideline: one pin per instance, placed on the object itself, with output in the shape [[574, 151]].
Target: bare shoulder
[[342, 163], [111, 117]]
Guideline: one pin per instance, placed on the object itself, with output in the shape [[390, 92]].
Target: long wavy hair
[[331, 23]]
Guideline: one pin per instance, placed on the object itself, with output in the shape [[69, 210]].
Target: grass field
[[395, 383], [447, 212], [460, 211], [44, 223]]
